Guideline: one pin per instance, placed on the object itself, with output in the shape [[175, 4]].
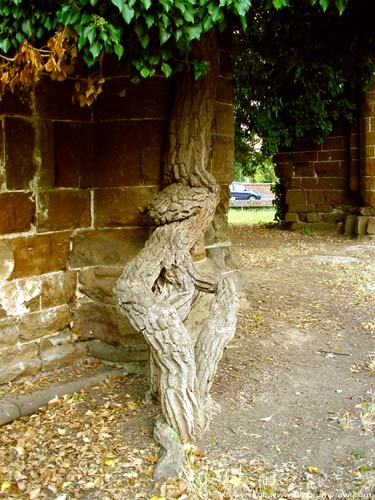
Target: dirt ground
[[295, 388]]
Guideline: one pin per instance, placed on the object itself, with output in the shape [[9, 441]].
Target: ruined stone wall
[[74, 183], [324, 183]]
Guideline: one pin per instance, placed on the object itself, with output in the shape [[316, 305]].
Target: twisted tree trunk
[[158, 287]]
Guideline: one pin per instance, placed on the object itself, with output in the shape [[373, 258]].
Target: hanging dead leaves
[[58, 59]]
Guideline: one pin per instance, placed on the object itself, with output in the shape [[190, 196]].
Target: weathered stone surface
[[117, 353], [152, 150], [118, 207], [120, 141], [224, 120], [19, 360], [20, 297], [63, 209], [222, 158], [350, 221], [74, 154], [98, 282], [224, 90], [371, 225], [62, 355], [16, 103], [58, 288], [53, 100], [58, 339], [106, 248], [316, 226], [122, 99], [302, 208], [95, 320], [46, 322], [6, 260], [291, 217], [17, 211], [337, 215], [313, 217], [45, 154], [9, 331], [40, 254], [296, 197], [19, 150], [361, 224]]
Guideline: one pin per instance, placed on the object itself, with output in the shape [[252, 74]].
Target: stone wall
[[74, 184], [331, 186]]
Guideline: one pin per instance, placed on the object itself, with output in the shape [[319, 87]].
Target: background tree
[[158, 288], [299, 70]]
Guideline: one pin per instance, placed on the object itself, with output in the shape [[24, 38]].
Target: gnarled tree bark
[[158, 287]]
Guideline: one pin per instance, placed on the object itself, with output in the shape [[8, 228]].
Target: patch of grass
[[251, 215]]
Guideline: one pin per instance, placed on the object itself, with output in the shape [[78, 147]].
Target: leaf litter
[[97, 444]]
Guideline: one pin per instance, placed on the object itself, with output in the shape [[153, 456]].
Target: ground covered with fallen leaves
[[295, 388]]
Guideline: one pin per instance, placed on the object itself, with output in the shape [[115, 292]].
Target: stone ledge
[[24, 405]]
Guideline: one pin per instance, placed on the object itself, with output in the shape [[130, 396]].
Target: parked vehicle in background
[[240, 191]]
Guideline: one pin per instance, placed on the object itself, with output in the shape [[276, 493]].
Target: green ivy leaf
[[27, 28], [5, 45], [127, 13], [278, 4], [166, 69], [324, 4], [119, 50], [95, 49]]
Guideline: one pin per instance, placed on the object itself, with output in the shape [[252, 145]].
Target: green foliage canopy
[[299, 70], [145, 35]]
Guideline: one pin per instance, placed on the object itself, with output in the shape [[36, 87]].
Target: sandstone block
[[222, 158], [19, 360], [121, 99], [16, 212], [98, 282], [371, 225], [327, 183], [20, 297], [74, 154], [58, 288], [315, 197], [39, 324], [40, 254], [53, 101], [303, 167], [6, 260], [291, 217], [224, 90], [296, 197], [121, 142], [106, 248], [361, 224], [95, 320], [9, 331], [63, 209], [55, 340], [369, 198], [117, 353], [19, 150], [16, 103], [153, 135], [118, 207], [62, 355], [349, 229], [223, 123], [308, 207], [313, 217]]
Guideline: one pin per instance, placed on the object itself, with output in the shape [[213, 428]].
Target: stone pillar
[[367, 183]]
